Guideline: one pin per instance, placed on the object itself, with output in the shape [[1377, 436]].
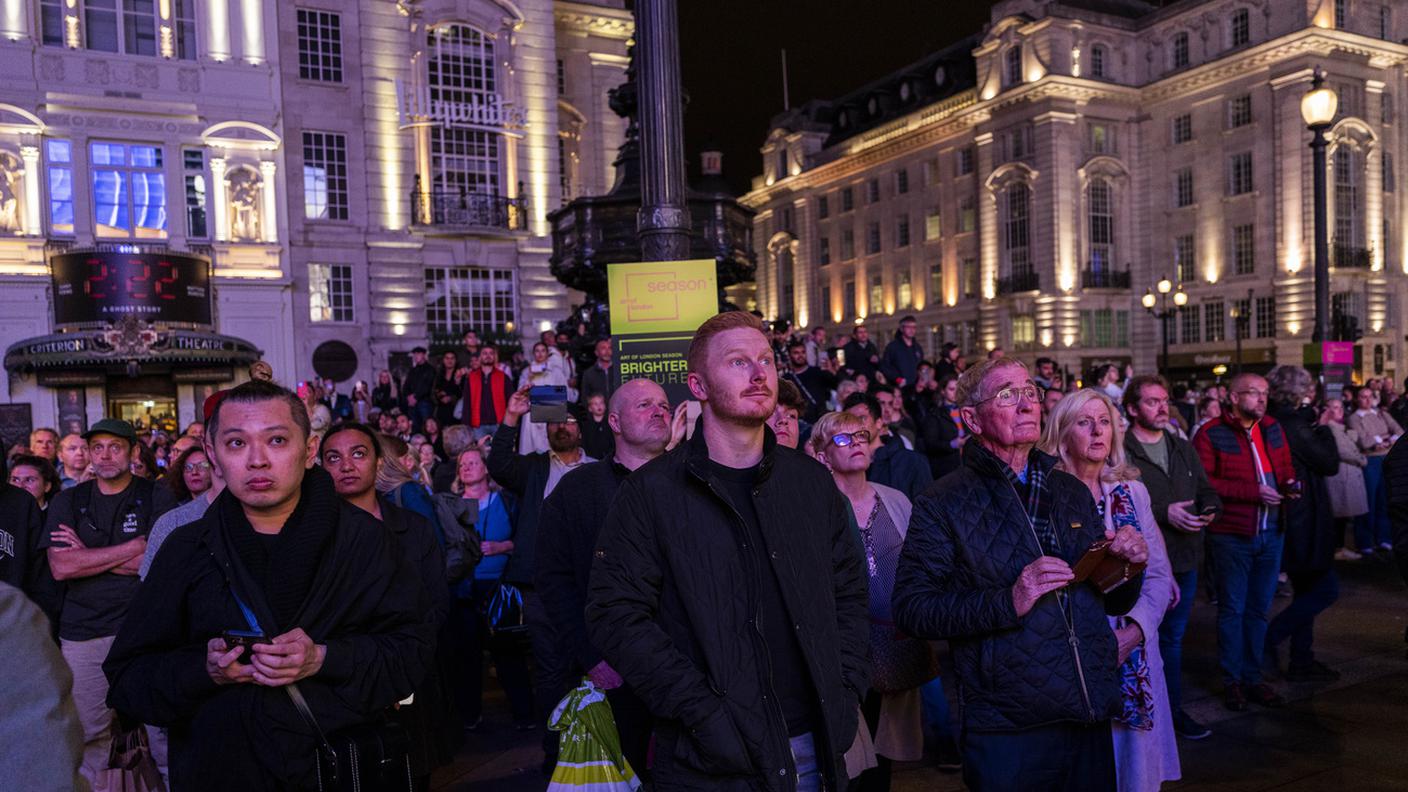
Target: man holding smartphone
[[1184, 503]]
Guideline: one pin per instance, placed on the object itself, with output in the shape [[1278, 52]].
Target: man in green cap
[[96, 536]]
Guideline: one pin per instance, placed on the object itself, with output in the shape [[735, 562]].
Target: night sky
[[732, 69]]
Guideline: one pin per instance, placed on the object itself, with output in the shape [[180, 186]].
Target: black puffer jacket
[[968, 541], [669, 609], [1308, 522]]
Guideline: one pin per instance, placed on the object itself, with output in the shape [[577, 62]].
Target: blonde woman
[[1084, 432], [901, 664]]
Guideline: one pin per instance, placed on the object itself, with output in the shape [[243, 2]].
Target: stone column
[[663, 223], [32, 213], [268, 209], [217, 199]]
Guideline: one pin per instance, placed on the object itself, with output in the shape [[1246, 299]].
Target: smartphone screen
[[547, 403]]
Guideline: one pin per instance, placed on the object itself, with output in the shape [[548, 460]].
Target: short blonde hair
[[832, 423], [1063, 417]]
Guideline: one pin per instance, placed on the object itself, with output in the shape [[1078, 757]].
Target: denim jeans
[[804, 757], [1171, 631], [1373, 529], [1247, 567], [1314, 592]]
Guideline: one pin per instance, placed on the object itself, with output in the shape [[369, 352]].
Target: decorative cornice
[[595, 20]]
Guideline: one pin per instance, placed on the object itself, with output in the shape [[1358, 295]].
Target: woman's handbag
[[503, 611], [131, 752]]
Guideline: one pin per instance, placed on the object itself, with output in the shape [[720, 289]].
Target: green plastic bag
[[589, 749]]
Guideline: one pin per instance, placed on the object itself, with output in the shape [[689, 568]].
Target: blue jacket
[[901, 362]]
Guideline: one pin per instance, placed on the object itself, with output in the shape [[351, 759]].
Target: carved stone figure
[[244, 205], [10, 171]]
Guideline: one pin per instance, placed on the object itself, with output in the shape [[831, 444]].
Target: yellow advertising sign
[[662, 296]]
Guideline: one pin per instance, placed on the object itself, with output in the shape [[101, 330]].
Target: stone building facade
[[363, 175], [1025, 187]]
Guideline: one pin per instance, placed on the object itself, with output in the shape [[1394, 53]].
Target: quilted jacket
[[1225, 449], [968, 541], [671, 605]]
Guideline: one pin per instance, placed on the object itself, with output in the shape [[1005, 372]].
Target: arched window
[[1097, 61], [1099, 206], [1241, 28], [1012, 72], [460, 71], [1017, 232], [786, 281]]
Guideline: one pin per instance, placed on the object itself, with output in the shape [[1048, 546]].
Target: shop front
[[133, 338], [1216, 364]]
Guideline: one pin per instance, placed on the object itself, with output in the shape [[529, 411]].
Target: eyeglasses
[[1008, 397], [192, 467], [847, 438]]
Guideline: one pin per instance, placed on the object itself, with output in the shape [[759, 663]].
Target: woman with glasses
[[901, 664], [1084, 433], [190, 476]]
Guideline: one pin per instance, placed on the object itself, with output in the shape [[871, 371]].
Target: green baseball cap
[[112, 426]]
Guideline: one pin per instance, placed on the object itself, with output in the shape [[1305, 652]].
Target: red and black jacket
[[1225, 449]]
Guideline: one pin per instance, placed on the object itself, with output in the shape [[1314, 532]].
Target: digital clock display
[[161, 288]]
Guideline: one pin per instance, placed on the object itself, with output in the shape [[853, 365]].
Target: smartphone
[[547, 403], [303, 390], [246, 639]]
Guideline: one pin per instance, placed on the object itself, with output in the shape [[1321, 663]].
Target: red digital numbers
[[165, 287], [137, 284], [96, 285]]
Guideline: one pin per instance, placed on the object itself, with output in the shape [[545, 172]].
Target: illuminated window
[[330, 292], [60, 156], [460, 71], [877, 294], [324, 176], [933, 224], [904, 290], [129, 190], [936, 282], [319, 45], [1023, 332], [1185, 263], [193, 162], [464, 298]]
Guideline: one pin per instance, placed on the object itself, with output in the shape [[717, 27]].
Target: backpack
[[454, 527]]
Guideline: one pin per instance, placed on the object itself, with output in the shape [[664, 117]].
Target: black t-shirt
[[790, 679], [95, 606]]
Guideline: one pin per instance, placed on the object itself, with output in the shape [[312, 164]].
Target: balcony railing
[[1347, 257], [1104, 279], [1022, 282], [449, 208]]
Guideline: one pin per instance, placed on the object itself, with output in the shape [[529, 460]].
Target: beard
[[562, 441], [735, 407]]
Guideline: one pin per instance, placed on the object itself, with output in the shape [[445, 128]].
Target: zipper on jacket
[[758, 633], [1067, 617]]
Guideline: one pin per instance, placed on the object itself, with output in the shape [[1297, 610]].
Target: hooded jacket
[[672, 605], [363, 602]]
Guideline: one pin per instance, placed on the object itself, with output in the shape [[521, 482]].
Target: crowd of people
[[761, 583]]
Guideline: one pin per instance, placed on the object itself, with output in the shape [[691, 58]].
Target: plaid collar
[[1037, 500]]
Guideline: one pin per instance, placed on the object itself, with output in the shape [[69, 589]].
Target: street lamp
[[1318, 108], [1180, 299]]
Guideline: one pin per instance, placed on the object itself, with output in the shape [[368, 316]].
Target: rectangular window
[[1239, 173], [59, 153], [51, 22], [330, 292], [965, 161], [902, 181], [1347, 226], [1241, 28], [1012, 74], [1102, 139], [877, 294], [1023, 332], [129, 190], [967, 215], [1183, 187], [1341, 13], [1019, 143], [1239, 111], [872, 191], [1216, 328], [324, 176], [1185, 263], [823, 250], [902, 231], [848, 244], [464, 298], [823, 208], [464, 163], [183, 27], [781, 164], [826, 299], [931, 172], [848, 199], [1097, 62], [848, 299], [1122, 329], [970, 277], [128, 27], [1266, 317], [1180, 50], [1017, 233], [872, 238], [193, 162], [320, 45], [936, 283], [933, 224], [1243, 249], [904, 290], [1190, 317], [1183, 128]]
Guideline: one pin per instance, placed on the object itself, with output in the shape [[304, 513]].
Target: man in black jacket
[[1184, 503], [1396, 482], [900, 364], [729, 590], [419, 384], [987, 566], [639, 417], [814, 383], [862, 357], [277, 553]]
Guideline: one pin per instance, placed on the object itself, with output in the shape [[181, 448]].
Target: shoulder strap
[[83, 497], [396, 497]]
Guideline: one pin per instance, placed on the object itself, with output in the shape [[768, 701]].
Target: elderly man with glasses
[[987, 565]]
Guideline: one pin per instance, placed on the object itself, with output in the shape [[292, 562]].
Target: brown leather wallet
[[1106, 572]]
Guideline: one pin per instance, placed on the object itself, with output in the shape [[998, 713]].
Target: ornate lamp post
[[1164, 286], [1318, 108]]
